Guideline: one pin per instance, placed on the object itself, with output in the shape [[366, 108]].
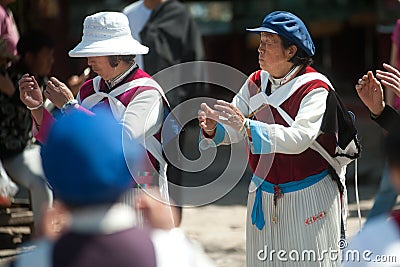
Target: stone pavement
[[220, 228]]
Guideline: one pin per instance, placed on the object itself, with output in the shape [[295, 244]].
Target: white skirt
[[307, 231]]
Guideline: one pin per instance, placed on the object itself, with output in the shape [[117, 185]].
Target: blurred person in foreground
[[387, 195], [129, 93], [291, 118], [18, 150], [378, 244], [88, 172]]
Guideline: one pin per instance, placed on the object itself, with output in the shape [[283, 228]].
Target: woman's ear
[[114, 61], [291, 51]]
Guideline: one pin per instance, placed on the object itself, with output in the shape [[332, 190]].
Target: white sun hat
[[107, 34]]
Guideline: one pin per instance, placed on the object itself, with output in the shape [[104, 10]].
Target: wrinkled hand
[[75, 82], [370, 91], [29, 91], [390, 78], [57, 92], [224, 113], [205, 122], [230, 115]]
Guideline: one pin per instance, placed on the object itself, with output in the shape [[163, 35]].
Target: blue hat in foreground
[[290, 27], [84, 159]]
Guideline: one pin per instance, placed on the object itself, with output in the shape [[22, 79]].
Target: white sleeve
[[144, 115], [270, 138], [173, 249], [242, 99]]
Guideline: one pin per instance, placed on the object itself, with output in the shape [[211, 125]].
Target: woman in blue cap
[[290, 117]]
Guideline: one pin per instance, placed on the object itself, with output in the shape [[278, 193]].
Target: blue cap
[[290, 27], [84, 159]]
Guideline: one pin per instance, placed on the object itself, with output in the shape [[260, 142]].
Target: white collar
[[116, 80], [289, 76], [103, 219], [285, 91], [277, 83]]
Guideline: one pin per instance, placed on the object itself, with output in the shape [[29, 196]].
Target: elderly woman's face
[[101, 65], [272, 56]]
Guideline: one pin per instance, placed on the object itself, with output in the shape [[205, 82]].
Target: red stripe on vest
[[255, 82]]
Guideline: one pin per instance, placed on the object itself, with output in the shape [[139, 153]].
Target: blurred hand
[[390, 78], [30, 92], [158, 215], [57, 92], [55, 221], [75, 82], [370, 91]]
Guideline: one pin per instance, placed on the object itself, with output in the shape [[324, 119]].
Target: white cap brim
[[90, 47]]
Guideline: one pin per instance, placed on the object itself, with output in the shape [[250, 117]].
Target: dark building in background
[[351, 37]]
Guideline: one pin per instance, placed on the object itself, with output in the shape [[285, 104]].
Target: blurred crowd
[[89, 150]]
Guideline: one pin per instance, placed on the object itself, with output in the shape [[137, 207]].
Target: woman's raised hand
[[30, 92]]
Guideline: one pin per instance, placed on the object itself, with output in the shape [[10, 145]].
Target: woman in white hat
[[132, 96]]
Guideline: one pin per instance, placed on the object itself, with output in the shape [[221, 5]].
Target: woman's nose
[[260, 49]]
